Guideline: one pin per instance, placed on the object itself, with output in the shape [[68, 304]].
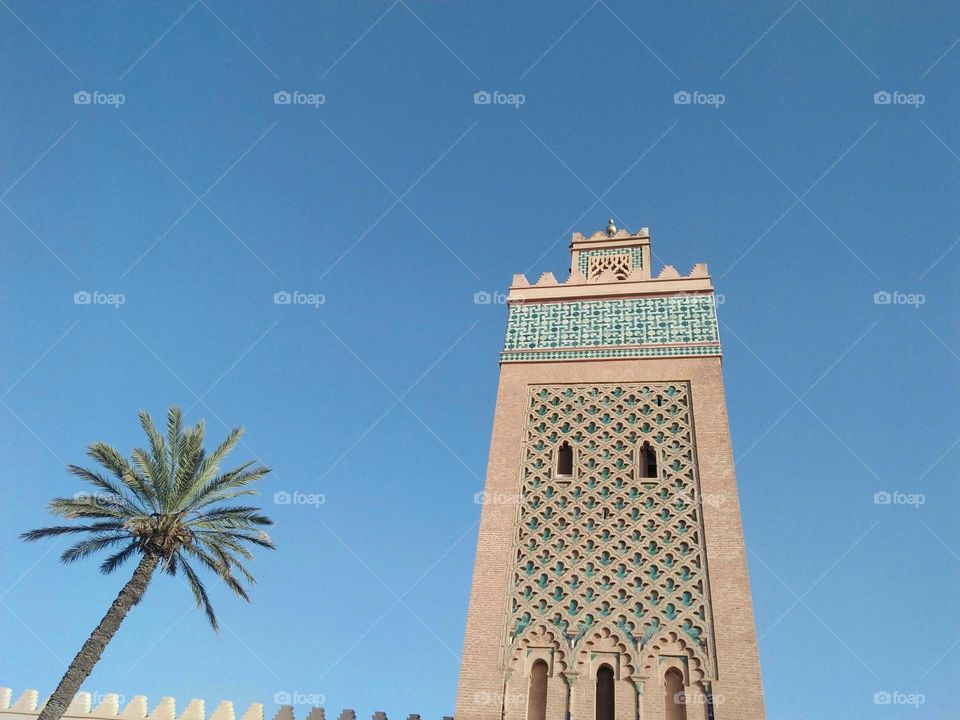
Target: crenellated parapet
[[612, 306], [620, 285], [108, 707]]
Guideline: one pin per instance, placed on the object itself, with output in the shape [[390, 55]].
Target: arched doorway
[[605, 696], [537, 694], [674, 707]]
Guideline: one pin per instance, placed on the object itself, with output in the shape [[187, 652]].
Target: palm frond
[[260, 539], [232, 545], [191, 459], [211, 463], [54, 531], [230, 548], [175, 434], [218, 488], [117, 559], [232, 517], [117, 492], [153, 474], [157, 459], [121, 468], [91, 545], [88, 507], [199, 593], [221, 496], [220, 563]]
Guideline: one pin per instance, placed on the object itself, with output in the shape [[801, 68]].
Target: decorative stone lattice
[[601, 259], [619, 265], [606, 547]]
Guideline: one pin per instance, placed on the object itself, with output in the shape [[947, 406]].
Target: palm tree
[[165, 506]]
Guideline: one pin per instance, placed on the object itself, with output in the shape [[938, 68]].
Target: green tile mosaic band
[[615, 328]]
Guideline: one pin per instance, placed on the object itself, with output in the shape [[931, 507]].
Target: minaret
[[610, 579]]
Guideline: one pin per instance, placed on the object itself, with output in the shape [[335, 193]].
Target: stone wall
[[108, 707]]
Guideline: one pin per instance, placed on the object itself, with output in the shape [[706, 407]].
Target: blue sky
[[397, 199]]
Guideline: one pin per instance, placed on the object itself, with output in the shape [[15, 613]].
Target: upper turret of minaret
[[612, 305]]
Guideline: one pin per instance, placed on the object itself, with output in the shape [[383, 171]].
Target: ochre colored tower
[[611, 579]]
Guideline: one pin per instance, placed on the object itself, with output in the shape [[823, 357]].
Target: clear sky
[[397, 198]]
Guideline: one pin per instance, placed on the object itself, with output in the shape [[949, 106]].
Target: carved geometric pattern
[[619, 265], [678, 325], [541, 636], [607, 547], [635, 255]]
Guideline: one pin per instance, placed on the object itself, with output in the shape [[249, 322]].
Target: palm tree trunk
[[92, 649]]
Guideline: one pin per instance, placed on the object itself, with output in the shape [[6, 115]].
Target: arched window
[[565, 459], [674, 707], [605, 698], [537, 697], [648, 461]]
